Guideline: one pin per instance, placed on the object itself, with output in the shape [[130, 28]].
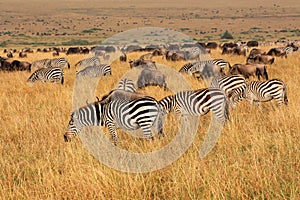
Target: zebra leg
[[113, 133]]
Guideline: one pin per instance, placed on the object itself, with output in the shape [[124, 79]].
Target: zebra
[[95, 71], [288, 50], [233, 87], [59, 62], [91, 61], [127, 85], [196, 103], [262, 91], [53, 74], [192, 68], [118, 109], [44, 63]]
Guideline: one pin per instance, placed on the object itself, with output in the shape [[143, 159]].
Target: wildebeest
[[248, 70], [22, 55], [55, 53], [240, 50], [10, 54], [20, 66], [263, 59], [211, 45], [279, 52], [178, 56], [142, 63], [73, 50], [252, 43], [123, 57], [211, 70], [5, 65], [254, 52], [151, 77]]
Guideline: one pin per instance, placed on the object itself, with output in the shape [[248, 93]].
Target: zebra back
[[47, 75], [91, 61], [95, 71], [127, 85], [44, 63], [59, 62]]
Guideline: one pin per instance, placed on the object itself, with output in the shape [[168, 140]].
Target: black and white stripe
[[288, 50], [197, 102], [262, 91], [119, 109], [191, 68], [126, 85], [59, 62], [95, 71], [44, 63], [55, 74], [91, 61], [232, 85]]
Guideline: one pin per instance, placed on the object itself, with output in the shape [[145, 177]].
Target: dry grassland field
[[256, 157]]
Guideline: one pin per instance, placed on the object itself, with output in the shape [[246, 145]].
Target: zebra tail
[[226, 108], [68, 65], [285, 98], [266, 73], [159, 121], [62, 80]]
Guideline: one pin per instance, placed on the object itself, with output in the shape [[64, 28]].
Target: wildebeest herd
[[128, 109]]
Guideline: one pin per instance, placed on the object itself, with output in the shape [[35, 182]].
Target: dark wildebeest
[[240, 50], [151, 77], [279, 52], [178, 56], [169, 55], [263, 59], [20, 66], [211, 70], [248, 70], [123, 57], [55, 53], [85, 50], [22, 55], [5, 65], [212, 45], [252, 44], [142, 63], [73, 50], [10, 54], [227, 50]]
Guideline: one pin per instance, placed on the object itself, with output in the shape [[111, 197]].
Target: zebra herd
[[127, 109], [51, 70], [124, 108]]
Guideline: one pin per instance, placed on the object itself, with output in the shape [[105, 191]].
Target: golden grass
[[257, 156]]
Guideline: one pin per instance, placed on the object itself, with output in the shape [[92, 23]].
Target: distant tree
[[226, 35]]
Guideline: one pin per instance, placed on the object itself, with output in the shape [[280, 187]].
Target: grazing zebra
[[191, 68], [53, 74], [91, 61], [262, 91], [232, 85], [44, 63], [127, 85], [59, 62], [119, 109], [95, 71], [197, 102]]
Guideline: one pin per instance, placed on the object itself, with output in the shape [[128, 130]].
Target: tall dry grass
[[256, 157]]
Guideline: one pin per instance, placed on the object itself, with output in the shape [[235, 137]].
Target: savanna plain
[[257, 155]]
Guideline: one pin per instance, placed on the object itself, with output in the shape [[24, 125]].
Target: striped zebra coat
[[91, 61], [126, 85], [262, 91], [59, 62], [47, 75], [197, 103], [233, 87], [119, 109], [197, 67], [95, 71]]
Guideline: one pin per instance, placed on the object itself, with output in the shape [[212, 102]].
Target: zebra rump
[[262, 91], [95, 71], [127, 85], [197, 103]]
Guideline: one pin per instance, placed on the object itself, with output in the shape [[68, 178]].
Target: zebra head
[[32, 79], [72, 129]]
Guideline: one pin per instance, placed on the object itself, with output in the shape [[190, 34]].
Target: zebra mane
[[121, 94]]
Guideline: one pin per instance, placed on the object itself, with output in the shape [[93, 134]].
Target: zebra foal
[[47, 75]]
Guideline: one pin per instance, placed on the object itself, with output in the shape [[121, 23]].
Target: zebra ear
[[71, 114], [98, 99]]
